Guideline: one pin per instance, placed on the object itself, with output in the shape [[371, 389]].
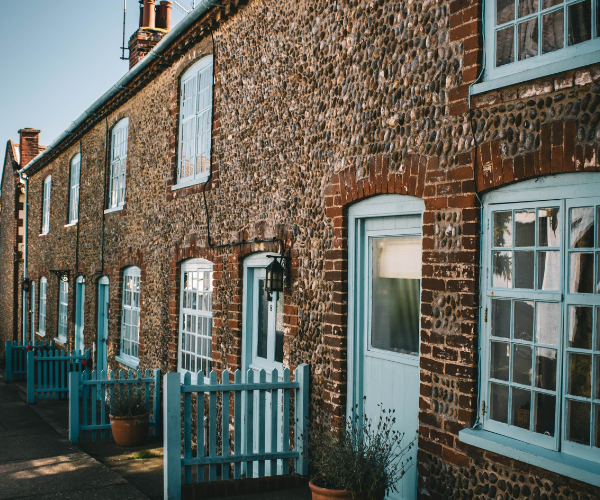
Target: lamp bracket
[[62, 275]]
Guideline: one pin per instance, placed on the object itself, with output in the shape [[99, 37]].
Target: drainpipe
[[25, 181]]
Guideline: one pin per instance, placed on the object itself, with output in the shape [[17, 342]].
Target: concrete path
[[38, 462]]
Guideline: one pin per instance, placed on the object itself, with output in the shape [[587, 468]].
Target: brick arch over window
[[227, 274]]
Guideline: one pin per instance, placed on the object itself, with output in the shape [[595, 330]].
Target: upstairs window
[[195, 123], [74, 189], [46, 205], [118, 164], [526, 39], [130, 317], [42, 310], [63, 306]]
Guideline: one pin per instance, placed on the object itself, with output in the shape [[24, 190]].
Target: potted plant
[[359, 459], [128, 417]]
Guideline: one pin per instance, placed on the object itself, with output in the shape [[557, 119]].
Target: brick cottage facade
[[318, 112]]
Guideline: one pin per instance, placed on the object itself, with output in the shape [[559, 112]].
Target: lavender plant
[[362, 455]]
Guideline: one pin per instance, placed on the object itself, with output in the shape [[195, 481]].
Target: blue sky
[[57, 58]]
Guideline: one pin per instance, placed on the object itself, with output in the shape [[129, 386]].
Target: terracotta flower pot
[[319, 493], [129, 431]]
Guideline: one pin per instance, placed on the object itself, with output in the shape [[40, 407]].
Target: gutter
[[153, 55]]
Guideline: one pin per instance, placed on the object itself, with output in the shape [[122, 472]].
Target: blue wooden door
[[384, 316], [102, 324], [79, 305]]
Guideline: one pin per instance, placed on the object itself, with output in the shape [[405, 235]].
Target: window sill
[[128, 361], [61, 341], [114, 209], [554, 461], [44, 234], [183, 185], [41, 334], [539, 72], [71, 224]]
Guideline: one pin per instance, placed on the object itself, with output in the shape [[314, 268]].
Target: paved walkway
[[37, 460]]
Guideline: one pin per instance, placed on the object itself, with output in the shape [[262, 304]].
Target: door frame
[[102, 325], [79, 312], [386, 205]]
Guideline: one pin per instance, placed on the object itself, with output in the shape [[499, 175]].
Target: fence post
[[301, 376], [156, 402], [30, 378], [8, 360], [172, 436], [73, 407]]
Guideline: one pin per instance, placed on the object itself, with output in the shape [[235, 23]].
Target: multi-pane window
[[74, 189], [529, 34], [130, 315], [118, 164], [42, 310], [63, 305], [196, 318], [46, 205], [195, 127], [542, 323]]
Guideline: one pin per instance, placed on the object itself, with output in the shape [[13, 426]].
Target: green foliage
[[143, 454], [121, 403], [360, 456]]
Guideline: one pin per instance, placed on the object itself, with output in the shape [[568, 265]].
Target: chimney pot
[[165, 20], [141, 13], [149, 14], [29, 144]]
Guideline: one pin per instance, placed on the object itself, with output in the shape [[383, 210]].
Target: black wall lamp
[[274, 275]]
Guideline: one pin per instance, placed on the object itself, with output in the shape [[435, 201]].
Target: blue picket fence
[[249, 440], [16, 356], [47, 373], [88, 413]]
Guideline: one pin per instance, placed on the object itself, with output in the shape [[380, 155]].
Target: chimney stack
[[29, 145], [150, 31]]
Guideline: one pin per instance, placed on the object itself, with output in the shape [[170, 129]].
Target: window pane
[[552, 31], [597, 388], [505, 50], [549, 228], [582, 227], [581, 321], [499, 360], [499, 403], [545, 407], [521, 408], [548, 270], [505, 11], [545, 368], [396, 284], [501, 318], [522, 364], [580, 375], [525, 228], [527, 7], [580, 22], [597, 407], [263, 320], [528, 39], [502, 269], [523, 320], [578, 422], [546, 328], [597, 329], [549, 3], [502, 229], [524, 269], [581, 279]]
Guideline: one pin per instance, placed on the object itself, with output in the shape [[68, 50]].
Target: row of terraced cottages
[[425, 172]]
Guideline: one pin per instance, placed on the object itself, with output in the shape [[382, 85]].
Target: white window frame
[[47, 190], [75, 173], [63, 308], [542, 65], [130, 317], [42, 309], [118, 165], [195, 124], [195, 322], [564, 192]]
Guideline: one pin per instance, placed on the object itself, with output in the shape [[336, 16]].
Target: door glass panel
[[580, 327], [263, 320], [521, 408], [578, 422], [523, 320], [548, 270], [545, 405], [546, 328], [501, 318], [581, 279], [499, 403], [395, 303]]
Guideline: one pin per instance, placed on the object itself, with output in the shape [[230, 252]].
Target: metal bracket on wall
[[61, 274]]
